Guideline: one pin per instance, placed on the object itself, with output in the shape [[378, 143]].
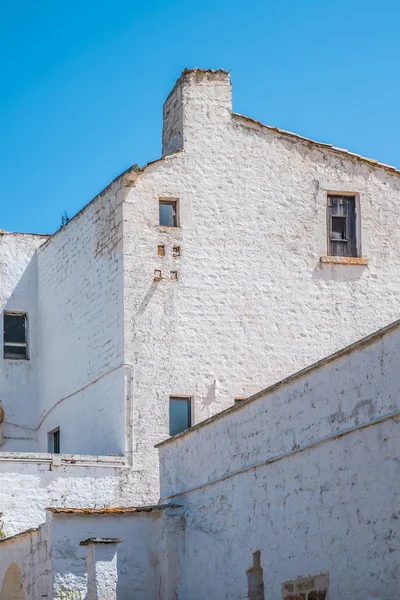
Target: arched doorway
[[12, 588]]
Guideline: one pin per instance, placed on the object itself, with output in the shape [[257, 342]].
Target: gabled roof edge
[[371, 161]]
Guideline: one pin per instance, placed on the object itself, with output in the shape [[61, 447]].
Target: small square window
[[53, 441], [180, 414], [15, 336], [169, 213]]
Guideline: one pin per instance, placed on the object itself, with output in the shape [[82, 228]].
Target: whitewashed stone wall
[[252, 303], [81, 384], [30, 484], [26, 559], [71, 288], [306, 473], [19, 378], [137, 555], [54, 565]]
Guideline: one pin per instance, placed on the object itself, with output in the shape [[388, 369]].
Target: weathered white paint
[[307, 473], [102, 571], [136, 557], [18, 378], [252, 302], [27, 488], [81, 331], [26, 558], [55, 565]]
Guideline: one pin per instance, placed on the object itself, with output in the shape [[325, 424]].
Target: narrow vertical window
[[169, 213], [53, 441], [342, 226], [15, 336], [180, 414]]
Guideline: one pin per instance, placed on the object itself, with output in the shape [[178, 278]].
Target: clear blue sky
[[83, 83]]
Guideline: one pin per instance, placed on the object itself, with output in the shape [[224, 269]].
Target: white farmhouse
[[242, 255]]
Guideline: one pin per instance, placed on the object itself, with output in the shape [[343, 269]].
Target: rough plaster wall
[[81, 331], [31, 553], [252, 303], [102, 572], [347, 392], [137, 556], [27, 489], [329, 509], [18, 378]]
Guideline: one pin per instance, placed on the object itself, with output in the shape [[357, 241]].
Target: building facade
[[242, 255], [290, 495]]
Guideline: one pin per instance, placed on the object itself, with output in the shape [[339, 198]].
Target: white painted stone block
[[102, 571]]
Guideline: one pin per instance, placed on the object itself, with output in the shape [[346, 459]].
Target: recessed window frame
[[54, 441], [25, 344], [187, 399], [176, 217], [357, 228]]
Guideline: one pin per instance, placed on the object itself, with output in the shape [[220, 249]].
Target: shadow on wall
[[338, 272], [26, 288], [18, 383], [12, 588]]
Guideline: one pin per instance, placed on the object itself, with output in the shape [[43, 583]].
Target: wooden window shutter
[[342, 226]]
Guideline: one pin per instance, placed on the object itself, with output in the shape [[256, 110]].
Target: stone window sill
[[345, 260]]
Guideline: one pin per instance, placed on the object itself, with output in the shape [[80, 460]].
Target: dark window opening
[[180, 414], [338, 228], [342, 226], [53, 439], [169, 213], [15, 338]]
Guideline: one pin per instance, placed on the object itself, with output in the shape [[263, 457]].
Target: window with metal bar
[[15, 336]]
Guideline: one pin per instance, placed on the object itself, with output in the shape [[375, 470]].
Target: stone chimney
[[198, 98]]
